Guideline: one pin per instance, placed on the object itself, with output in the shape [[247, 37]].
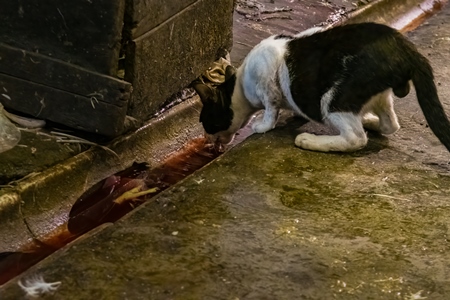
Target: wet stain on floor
[[256, 20]]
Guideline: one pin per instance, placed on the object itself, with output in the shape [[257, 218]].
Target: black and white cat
[[344, 77]]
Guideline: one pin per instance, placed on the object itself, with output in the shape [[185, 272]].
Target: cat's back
[[349, 38], [362, 34], [269, 52]]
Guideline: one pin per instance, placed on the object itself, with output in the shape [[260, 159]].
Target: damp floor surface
[[267, 220]]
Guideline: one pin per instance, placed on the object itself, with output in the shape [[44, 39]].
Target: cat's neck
[[239, 101], [242, 108]]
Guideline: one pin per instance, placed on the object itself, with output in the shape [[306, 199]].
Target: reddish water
[[98, 206], [14, 263]]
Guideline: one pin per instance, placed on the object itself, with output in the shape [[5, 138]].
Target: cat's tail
[[422, 78]]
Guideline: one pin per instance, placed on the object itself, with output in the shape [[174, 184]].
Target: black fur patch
[[402, 90], [361, 60], [283, 36], [216, 114]]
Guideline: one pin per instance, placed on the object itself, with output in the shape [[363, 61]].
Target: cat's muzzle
[[218, 141]]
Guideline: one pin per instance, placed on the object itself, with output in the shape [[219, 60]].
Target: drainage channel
[[111, 199]]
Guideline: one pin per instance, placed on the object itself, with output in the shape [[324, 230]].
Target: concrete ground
[[267, 220]]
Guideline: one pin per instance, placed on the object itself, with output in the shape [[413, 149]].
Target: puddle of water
[[14, 263]]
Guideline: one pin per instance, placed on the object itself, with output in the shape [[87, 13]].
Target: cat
[[344, 77]]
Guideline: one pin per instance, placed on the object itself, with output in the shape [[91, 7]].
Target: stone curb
[[400, 14], [30, 209]]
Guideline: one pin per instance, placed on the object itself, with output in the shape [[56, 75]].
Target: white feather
[[36, 286]]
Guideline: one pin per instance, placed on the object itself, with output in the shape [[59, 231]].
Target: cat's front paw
[[259, 126], [327, 143]]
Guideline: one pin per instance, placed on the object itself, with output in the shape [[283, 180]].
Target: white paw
[[385, 124], [305, 141], [327, 143], [259, 126], [371, 122], [389, 125]]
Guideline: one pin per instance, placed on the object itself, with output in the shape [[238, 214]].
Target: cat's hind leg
[[371, 121], [352, 136], [381, 116]]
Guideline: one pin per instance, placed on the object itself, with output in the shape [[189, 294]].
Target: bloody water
[[98, 205], [14, 263]]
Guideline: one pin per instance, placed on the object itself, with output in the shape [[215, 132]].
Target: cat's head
[[217, 114]]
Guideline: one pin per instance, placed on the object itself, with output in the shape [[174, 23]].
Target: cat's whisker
[[195, 109]]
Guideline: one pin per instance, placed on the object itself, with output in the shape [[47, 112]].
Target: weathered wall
[[170, 55], [85, 33]]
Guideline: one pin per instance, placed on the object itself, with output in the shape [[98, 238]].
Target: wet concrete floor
[[270, 221], [256, 20]]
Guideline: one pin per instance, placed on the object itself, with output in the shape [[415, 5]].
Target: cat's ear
[[203, 91], [229, 72]]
